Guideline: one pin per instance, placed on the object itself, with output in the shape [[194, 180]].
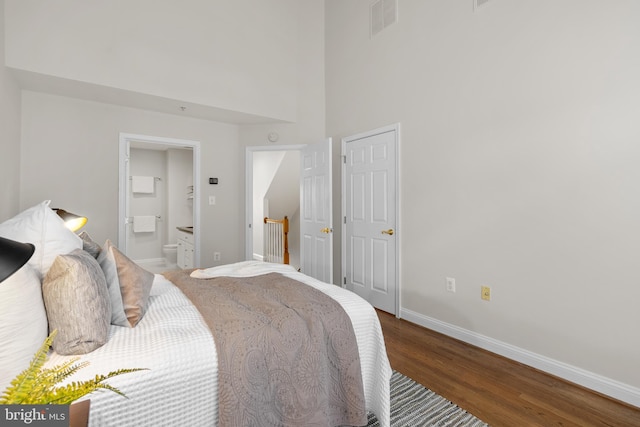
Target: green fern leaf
[[22, 385], [37, 385]]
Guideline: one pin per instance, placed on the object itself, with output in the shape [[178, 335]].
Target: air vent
[[479, 3], [383, 13]]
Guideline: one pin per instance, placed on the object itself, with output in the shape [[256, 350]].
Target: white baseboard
[[258, 257], [604, 385]]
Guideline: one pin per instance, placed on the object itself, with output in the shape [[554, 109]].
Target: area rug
[[413, 405]]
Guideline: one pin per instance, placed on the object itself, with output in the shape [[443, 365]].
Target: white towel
[[144, 224], [143, 184]]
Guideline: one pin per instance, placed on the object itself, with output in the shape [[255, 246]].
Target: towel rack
[[129, 219], [156, 178]]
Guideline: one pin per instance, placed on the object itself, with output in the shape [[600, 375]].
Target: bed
[[176, 345], [170, 336]]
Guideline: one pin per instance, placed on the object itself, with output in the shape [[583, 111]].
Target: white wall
[[231, 55], [294, 240], [9, 135], [308, 53], [70, 151], [284, 190], [518, 165], [518, 153]]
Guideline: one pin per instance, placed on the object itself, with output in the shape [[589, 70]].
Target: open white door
[[316, 225], [123, 194]]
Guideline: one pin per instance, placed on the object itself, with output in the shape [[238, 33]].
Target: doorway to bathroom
[[159, 200]]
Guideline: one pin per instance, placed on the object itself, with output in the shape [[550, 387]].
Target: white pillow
[[41, 226], [23, 323]]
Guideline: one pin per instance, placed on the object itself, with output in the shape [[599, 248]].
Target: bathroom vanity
[[185, 247]]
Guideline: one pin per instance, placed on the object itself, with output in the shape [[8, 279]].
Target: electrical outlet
[[451, 284], [217, 256], [485, 293]]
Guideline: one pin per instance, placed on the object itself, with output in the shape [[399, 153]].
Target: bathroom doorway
[[159, 199]]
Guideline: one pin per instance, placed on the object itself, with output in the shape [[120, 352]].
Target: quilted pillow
[[23, 322], [129, 286], [41, 226], [77, 303]]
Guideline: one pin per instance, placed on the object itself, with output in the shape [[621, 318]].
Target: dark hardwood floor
[[497, 390]]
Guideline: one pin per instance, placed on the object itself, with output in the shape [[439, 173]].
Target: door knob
[[326, 230], [389, 232]]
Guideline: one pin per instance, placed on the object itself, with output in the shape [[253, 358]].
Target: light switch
[[212, 200]]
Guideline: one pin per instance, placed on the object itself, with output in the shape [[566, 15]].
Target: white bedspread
[[172, 340]]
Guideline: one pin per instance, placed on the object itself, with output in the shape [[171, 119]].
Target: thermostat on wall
[[213, 180]]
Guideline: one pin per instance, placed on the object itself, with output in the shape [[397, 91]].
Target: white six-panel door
[[316, 225], [369, 206]]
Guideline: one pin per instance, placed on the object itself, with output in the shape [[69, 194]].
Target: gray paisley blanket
[[287, 353]]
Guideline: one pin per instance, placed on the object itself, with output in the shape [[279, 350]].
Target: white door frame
[[123, 186], [248, 189], [394, 127]]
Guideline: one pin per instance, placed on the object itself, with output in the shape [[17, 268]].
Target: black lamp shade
[[13, 255]]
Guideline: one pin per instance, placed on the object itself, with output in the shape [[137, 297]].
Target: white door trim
[[390, 128], [125, 140], [248, 189]]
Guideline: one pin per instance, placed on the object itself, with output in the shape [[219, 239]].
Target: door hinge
[[344, 159], [344, 280], [345, 219]]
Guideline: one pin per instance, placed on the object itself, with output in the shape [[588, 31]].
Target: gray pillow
[[129, 286], [77, 302], [89, 245]]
